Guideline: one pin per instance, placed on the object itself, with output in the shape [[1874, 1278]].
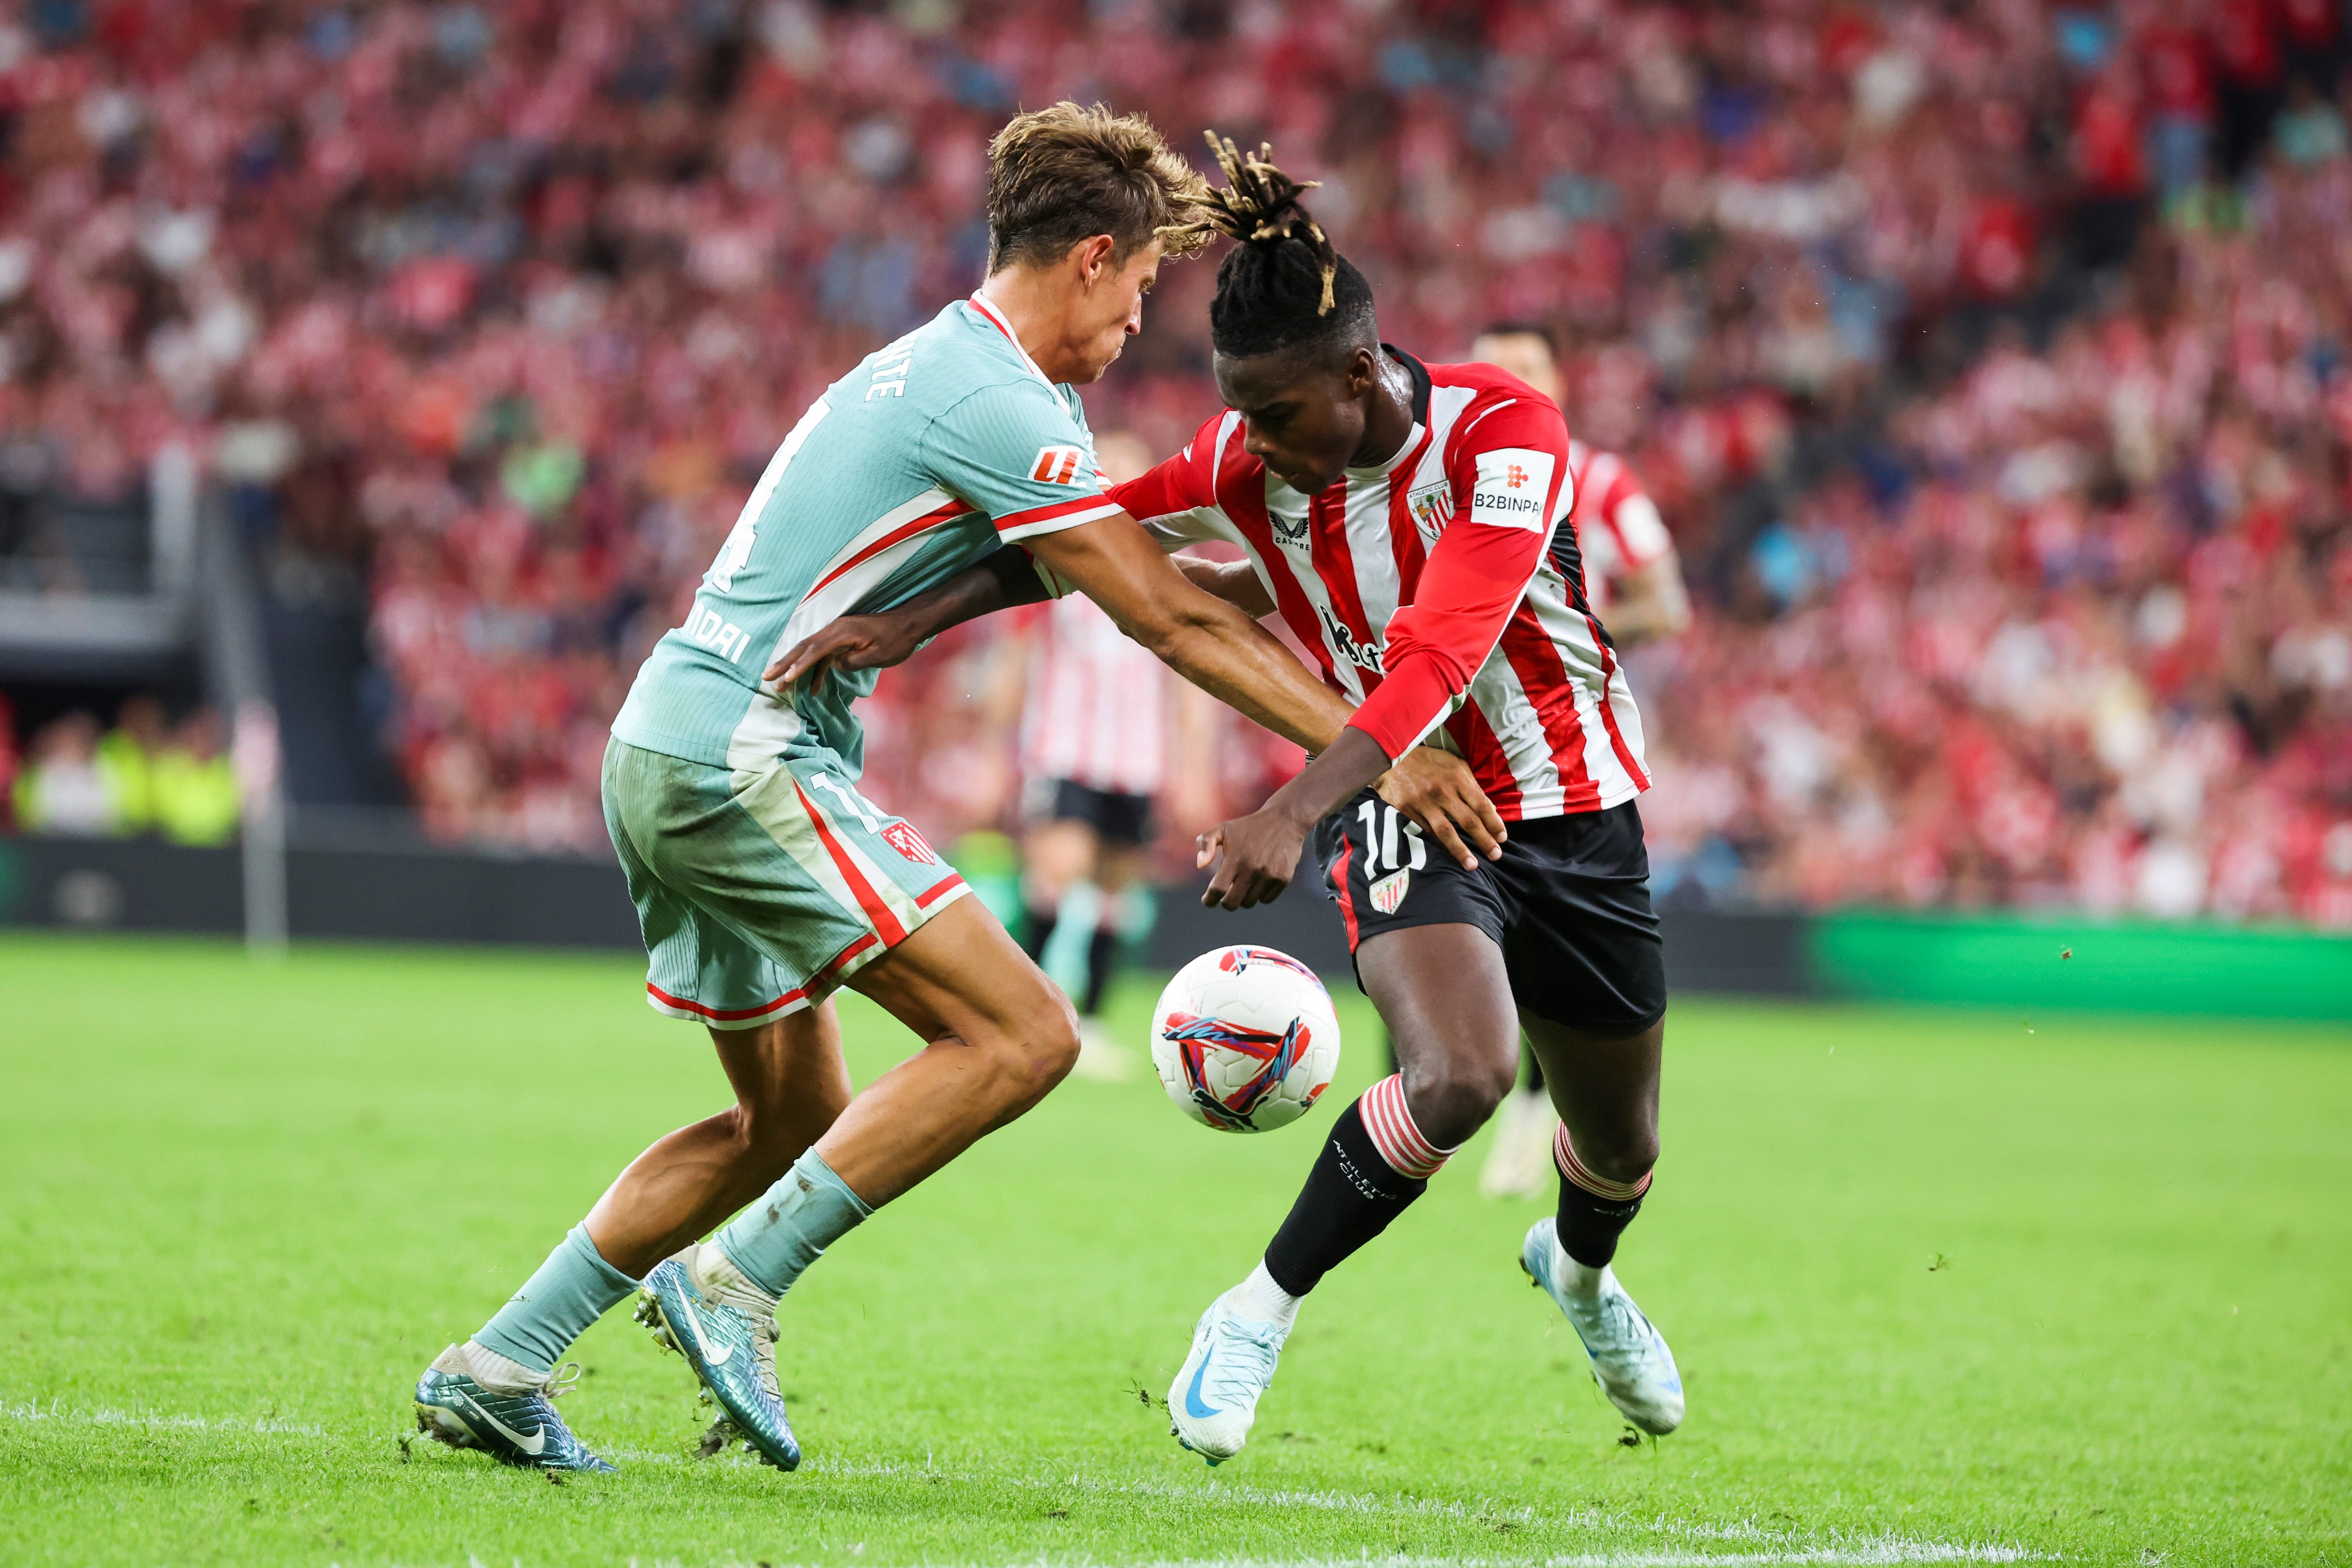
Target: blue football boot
[[517, 1424], [1213, 1401], [701, 1305], [1630, 1358]]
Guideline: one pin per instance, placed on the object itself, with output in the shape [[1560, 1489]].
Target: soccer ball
[[1244, 1039]]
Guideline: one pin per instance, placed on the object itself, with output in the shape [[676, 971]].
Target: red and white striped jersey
[[1618, 529], [1093, 713], [1430, 587]]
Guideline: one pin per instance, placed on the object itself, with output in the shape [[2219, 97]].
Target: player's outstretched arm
[[1435, 788], [1235, 582], [890, 637], [1216, 645]]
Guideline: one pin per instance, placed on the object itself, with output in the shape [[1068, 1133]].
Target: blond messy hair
[[1061, 174]]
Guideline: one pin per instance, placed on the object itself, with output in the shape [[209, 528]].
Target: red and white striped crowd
[[1986, 363]]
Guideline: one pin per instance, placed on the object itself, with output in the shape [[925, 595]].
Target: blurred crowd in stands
[[1988, 361], [145, 775]]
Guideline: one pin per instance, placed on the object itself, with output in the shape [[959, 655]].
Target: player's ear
[[1363, 370], [1094, 258]]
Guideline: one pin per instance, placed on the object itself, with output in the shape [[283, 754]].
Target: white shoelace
[[1258, 1359], [564, 1380]]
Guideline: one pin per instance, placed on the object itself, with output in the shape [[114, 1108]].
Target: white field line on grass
[[1778, 1547], [1887, 1554], [56, 1411], [1890, 1553]]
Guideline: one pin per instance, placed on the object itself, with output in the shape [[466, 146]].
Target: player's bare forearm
[[879, 641], [1215, 645], [1219, 649], [1235, 582], [1262, 849]]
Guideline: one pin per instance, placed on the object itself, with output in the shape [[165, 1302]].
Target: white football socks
[[499, 1373], [1579, 1278], [1259, 1297]]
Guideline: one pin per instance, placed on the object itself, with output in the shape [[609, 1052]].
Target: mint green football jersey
[[923, 459]]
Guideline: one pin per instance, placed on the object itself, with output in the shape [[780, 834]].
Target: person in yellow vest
[[126, 758], [193, 787]]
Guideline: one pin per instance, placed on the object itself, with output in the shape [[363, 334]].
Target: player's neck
[[1034, 304], [1388, 421]]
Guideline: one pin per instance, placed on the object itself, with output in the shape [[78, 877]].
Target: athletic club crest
[[1389, 891], [1432, 506], [902, 836]]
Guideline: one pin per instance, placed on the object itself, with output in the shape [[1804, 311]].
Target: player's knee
[[1030, 1058], [1451, 1099], [1626, 1156], [1055, 1049]]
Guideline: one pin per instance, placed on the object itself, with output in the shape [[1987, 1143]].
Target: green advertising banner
[[2058, 961]]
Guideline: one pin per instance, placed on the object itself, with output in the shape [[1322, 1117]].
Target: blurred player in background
[[1632, 578], [1093, 759], [1633, 581]]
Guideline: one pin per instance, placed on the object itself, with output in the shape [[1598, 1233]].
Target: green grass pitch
[[1943, 1289]]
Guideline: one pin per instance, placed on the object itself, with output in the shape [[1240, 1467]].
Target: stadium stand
[[1988, 361]]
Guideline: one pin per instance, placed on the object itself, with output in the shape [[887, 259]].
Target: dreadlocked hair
[[1282, 283]]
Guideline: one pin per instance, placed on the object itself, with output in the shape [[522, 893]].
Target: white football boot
[[1519, 1164], [1630, 1358], [1215, 1395], [1100, 1055]]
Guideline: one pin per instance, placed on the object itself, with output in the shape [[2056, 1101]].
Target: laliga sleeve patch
[[1061, 466], [1512, 484]]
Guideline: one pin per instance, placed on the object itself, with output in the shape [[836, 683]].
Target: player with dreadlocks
[[1406, 520], [766, 880]]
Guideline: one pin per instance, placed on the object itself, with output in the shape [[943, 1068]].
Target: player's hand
[[850, 644], [1261, 852], [1437, 789]]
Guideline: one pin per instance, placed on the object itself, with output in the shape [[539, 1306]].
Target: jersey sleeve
[[1015, 453], [1632, 519], [1510, 481], [1642, 536], [1176, 500]]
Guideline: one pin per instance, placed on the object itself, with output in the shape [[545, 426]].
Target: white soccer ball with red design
[[1245, 1039]]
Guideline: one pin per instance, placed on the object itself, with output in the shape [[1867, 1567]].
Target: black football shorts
[[1115, 817], [1569, 903]]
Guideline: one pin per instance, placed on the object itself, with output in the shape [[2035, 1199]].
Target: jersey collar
[[1420, 383], [987, 308]]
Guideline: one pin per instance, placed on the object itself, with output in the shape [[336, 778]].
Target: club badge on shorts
[[902, 836], [1389, 891]]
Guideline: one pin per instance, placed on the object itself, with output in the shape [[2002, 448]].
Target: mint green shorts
[[759, 890]]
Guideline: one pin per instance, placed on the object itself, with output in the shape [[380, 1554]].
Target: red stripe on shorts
[[877, 913]]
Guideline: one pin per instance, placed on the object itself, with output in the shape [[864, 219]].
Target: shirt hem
[[1608, 802]]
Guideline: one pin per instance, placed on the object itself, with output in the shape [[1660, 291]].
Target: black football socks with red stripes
[[1593, 1211], [1371, 1167]]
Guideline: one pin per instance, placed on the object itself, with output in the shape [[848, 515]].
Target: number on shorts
[[1382, 840], [848, 798]]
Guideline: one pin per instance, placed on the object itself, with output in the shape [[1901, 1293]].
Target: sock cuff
[[811, 1167], [1388, 1122], [585, 1246], [1572, 1171]]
